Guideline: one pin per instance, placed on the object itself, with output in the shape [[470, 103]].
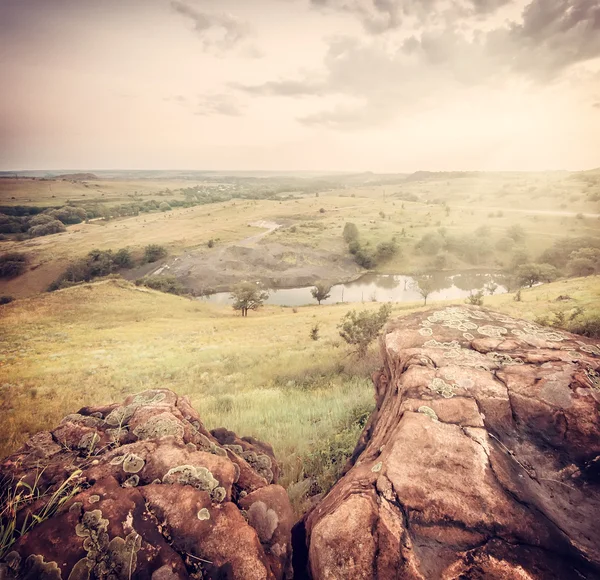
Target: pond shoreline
[[371, 286]]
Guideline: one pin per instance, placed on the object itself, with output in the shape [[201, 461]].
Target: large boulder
[[143, 490], [481, 460]]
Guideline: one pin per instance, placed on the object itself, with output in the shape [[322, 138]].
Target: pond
[[384, 288]]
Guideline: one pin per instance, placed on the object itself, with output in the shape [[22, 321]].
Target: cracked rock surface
[[481, 460], [143, 490]]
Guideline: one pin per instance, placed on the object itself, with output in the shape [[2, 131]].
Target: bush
[[365, 258], [516, 232], [476, 299], [350, 232], [505, 244], [96, 264], [168, 284], [314, 332], [40, 220], [430, 244], [584, 262], [68, 214], [154, 252], [359, 329], [588, 326], [164, 206], [123, 259], [12, 265], [386, 251], [5, 300], [49, 228]]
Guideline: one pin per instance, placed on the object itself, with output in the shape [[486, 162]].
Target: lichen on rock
[[263, 519]]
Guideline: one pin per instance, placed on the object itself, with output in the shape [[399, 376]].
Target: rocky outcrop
[[143, 490], [481, 460]]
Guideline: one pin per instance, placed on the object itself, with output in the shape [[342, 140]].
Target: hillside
[[262, 375]]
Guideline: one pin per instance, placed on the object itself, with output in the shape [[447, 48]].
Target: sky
[[344, 85]]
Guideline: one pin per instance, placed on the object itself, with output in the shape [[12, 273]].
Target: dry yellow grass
[[186, 228], [260, 376]]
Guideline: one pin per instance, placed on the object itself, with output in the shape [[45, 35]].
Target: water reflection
[[385, 288]]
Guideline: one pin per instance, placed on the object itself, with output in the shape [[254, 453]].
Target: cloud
[[219, 30], [377, 76], [285, 88], [554, 35], [380, 16], [218, 104]]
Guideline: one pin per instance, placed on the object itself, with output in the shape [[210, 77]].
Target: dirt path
[[269, 226]]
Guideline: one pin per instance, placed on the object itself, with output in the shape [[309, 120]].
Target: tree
[[350, 232], [248, 296], [530, 274], [584, 262], [516, 232], [359, 329], [424, 286], [12, 264], [321, 291], [154, 252]]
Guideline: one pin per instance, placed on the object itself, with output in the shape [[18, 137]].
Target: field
[[262, 375], [547, 206]]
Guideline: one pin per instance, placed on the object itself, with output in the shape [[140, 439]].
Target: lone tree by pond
[[321, 291], [424, 286], [359, 329], [248, 296]]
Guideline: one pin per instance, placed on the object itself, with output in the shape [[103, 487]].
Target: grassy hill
[[262, 375]]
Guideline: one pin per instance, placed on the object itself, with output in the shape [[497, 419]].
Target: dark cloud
[[218, 30], [554, 34]]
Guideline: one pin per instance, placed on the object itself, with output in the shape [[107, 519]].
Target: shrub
[[350, 232], [476, 299], [505, 244], [322, 210], [430, 243], [516, 232], [52, 227], [365, 258], [386, 251], [68, 214], [359, 329], [588, 326], [5, 300], [96, 264], [210, 243], [12, 264], [40, 220], [168, 284], [123, 259], [164, 206], [154, 252], [584, 262], [314, 332]]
